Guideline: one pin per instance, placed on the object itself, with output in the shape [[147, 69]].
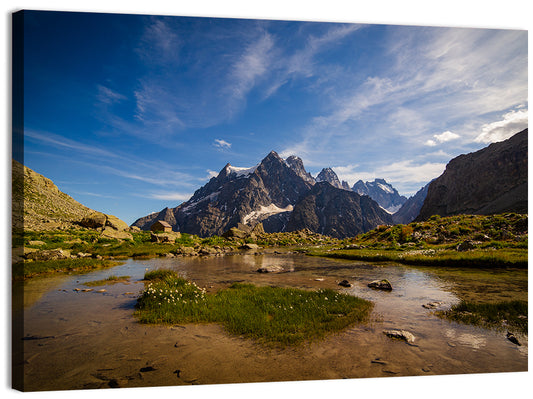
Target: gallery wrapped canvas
[[205, 200]]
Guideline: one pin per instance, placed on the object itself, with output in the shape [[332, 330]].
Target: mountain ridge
[[268, 192]]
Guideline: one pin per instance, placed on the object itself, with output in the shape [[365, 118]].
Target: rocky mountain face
[[411, 208], [236, 195], [336, 212], [37, 205], [381, 192], [266, 193], [328, 175], [491, 180], [296, 164]]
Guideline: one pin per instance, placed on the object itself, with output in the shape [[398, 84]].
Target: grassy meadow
[[270, 315]]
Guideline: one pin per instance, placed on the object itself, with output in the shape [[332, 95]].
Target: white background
[[503, 14]]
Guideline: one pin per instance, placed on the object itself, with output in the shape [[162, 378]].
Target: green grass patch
[[25, 270], [486, 258], [510, 315], [107, 281], [275, 315]]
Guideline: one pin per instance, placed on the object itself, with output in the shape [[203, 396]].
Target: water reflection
[[474, 341]]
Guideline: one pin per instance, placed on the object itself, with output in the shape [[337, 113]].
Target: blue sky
[[129, 114]]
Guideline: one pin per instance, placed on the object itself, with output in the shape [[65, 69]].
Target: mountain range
[[282, 196], [278, 193]]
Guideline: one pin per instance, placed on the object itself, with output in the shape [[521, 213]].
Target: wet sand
[[80, 340]]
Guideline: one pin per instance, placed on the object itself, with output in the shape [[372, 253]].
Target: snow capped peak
[[240, 172]]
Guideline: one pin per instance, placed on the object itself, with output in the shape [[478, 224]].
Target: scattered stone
[[84, 255], [432, 305], [250, 246], [109, 232], [37, 242], [102, 290], [400, 334], [94, 220], [319, 279], [465, 246], [270, 269], [50, 254], [207, 251], [511, 337], [146, 369], [166, 237], [381, 285], [345, 283], [235, 233], [451, 344], [116, 223]]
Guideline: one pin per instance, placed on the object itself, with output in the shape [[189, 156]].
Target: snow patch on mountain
[[189, 207], [240, 172], [265, 211], [385, 187], [391, 209]]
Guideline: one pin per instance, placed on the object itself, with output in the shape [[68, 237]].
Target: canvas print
[[214, 200]]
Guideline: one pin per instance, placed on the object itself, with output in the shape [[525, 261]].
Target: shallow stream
[[74, 339]]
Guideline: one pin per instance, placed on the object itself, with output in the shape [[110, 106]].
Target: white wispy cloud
[[433, 79], [250, 66], [159, 43], [222, 144], [62, 142], [113, 162], [108, 96], [169, 196], [512, 123]]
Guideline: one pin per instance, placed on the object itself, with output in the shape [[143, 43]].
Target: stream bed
[[76, 339]]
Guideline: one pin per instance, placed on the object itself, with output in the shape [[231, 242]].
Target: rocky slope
[[38, 205], [336, 212], [267, 193], [411, 208], [488, 181], [381, 192]]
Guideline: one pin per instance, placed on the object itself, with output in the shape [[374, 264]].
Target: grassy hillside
[[463, 240]]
